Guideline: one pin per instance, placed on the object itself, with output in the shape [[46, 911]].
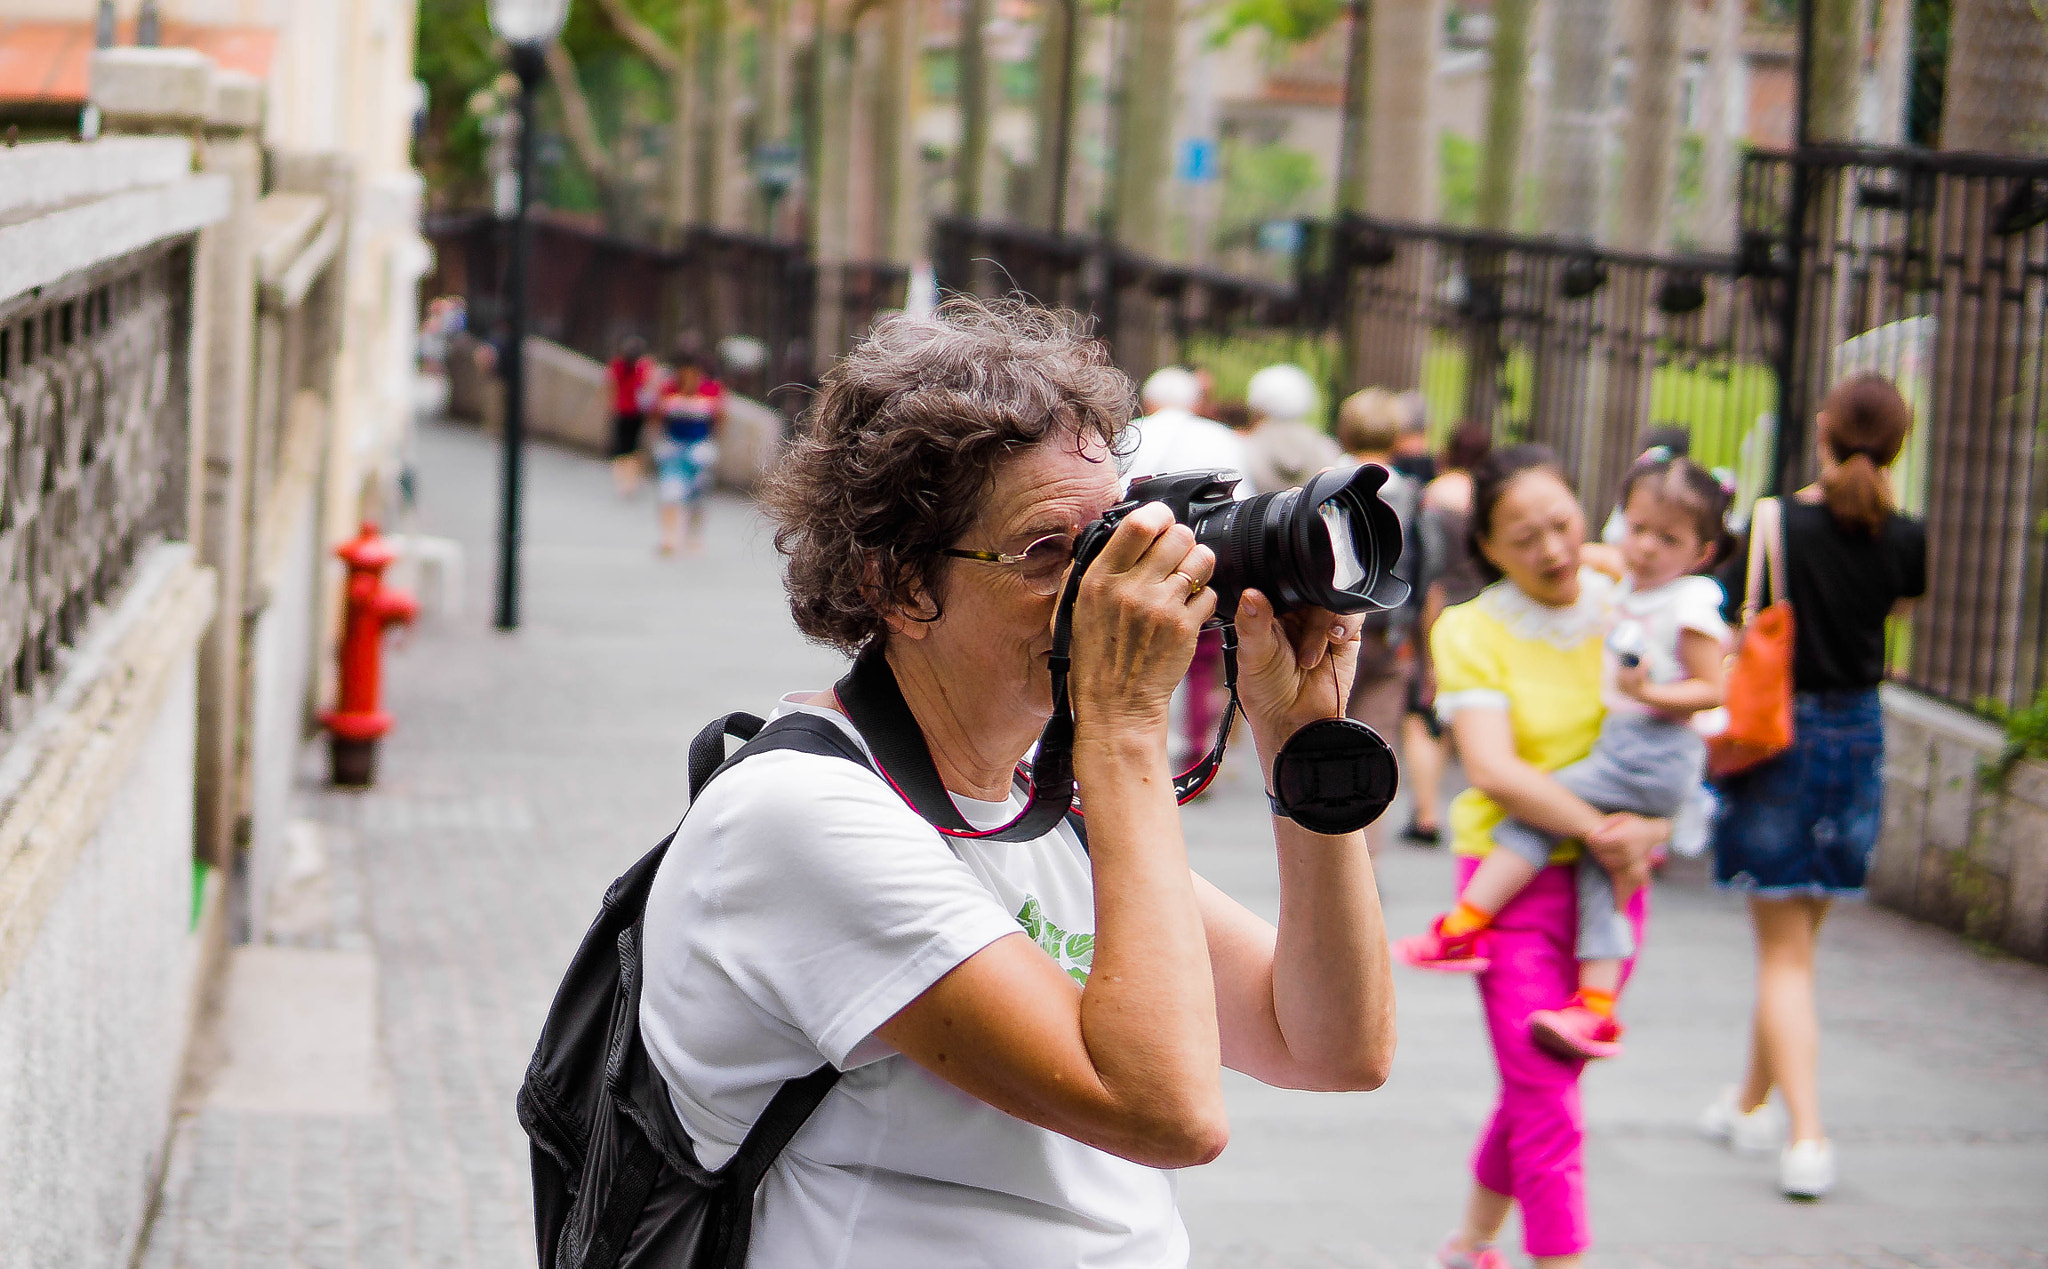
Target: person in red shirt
[[692, 409], [631, 375]]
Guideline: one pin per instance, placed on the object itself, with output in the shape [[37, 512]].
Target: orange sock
[[1464, 919], [1600, 1002]]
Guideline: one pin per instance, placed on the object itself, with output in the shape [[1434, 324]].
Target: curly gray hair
[[894, 458]]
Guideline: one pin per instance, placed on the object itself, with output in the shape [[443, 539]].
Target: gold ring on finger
[[1194, 587]]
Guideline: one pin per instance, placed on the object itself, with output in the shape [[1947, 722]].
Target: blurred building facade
[[208, 309]]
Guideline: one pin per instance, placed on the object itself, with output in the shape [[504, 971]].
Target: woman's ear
[[909, 613]]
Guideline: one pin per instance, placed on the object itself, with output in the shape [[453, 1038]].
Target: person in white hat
[[1283, 447], [1172, 437]]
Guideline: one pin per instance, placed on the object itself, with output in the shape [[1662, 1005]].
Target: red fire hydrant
[[355, 725]]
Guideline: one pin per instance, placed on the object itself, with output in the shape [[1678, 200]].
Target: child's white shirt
[[1649, 623]]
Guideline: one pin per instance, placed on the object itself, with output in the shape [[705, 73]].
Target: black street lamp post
[[527, 27]]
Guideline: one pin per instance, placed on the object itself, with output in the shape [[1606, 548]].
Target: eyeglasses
[[1041, 567]]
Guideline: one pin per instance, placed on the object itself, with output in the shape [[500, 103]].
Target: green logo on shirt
[[1074, 952]]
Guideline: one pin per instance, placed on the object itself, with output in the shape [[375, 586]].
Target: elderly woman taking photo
[[1518, 680], [1031, 1033]]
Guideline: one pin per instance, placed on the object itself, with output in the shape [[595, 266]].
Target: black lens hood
[[1334, 776]]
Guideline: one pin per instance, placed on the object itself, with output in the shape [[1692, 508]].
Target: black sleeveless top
[[1843, 585]]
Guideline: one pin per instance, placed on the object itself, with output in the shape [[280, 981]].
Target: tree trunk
[[1714, 216], [1994, 99], [716, 59], [1575, 118], [772, 108], [1648, 171], [1354, 146], [899, 210], [1894, 58], [1507, 80], [1402, 159], [1383, 347], [832, 184], [970, 167], [1058, 78], [1836, 65], [680, 163], [1499, 171], [1144, 131]]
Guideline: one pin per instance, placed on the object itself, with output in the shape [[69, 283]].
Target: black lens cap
[[1334, 776]]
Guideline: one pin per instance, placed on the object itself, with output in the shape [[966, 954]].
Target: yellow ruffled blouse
[[1503, 650]]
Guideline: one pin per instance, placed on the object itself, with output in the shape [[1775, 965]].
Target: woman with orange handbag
[[1797, 829]]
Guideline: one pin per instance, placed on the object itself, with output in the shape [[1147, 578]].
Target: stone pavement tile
[[527, 770]]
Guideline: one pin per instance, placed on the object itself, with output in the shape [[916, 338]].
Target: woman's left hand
[[1292, 670], [1623, 844]]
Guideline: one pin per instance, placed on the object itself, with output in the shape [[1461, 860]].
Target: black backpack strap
[[707, 751], [787, 1112]]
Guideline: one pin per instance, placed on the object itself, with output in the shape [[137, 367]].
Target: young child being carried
[[1664, 664]]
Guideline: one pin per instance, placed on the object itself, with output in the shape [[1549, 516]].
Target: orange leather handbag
[[1760, 680]]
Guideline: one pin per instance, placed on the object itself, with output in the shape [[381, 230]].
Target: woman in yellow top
[[1518, 680]]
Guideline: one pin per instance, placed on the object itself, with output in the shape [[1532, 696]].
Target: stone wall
[[103, 940], [1956, 850]]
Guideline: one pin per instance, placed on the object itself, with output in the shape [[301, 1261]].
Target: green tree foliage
[[457, 58], [1262, 183], [1458, 179], [1289, 21]]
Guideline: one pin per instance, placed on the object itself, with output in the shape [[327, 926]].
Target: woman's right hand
[[1623, 844], [1135, 621]]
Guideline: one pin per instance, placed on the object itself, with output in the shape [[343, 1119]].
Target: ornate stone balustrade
[[93, 451]]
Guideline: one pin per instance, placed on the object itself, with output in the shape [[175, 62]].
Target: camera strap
[[874, 701]]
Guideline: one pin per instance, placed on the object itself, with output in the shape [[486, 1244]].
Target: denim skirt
[[1806, 822]]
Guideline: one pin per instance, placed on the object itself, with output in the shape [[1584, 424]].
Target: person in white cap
[[1172, 437], [1283, 447]]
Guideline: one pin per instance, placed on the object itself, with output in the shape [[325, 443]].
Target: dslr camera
[[1331, 543]]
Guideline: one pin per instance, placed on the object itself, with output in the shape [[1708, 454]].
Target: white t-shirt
[[1648, 622], [802, 905], [1178, 440]]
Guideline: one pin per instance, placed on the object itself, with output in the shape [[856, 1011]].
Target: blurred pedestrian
[[1233, 414], [1284, 448], [692, 413], [1171, 437], [1368, 424], [1412, 456], [631, 377], [1452, 577], [1520, 675], [1665, 665], [1796, 832]]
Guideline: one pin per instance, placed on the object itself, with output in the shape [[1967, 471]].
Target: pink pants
[[1533, 1149], [1205, 694]]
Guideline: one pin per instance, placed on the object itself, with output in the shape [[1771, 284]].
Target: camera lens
[[1330, 544]]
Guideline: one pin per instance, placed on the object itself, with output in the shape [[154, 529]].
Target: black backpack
[[616, 1184]]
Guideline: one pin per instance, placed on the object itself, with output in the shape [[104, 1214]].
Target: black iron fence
[[1547, 340], [590, 290], [1929, 268], [1150, 312], [1933, 270]]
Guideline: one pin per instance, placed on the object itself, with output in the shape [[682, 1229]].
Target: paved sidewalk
[[528, 770]]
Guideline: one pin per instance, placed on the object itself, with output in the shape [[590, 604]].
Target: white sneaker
[[1806, 1169], [1759, 1132]]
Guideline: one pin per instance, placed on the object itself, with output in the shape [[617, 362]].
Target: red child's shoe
[[1444, 953], [1575, 1032]]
